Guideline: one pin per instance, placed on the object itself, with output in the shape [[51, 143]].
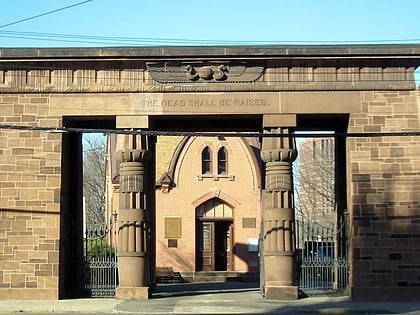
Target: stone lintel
[[288, 120], [321, 102], [133, 293], [142, 105], [134, 122], [281, 293]]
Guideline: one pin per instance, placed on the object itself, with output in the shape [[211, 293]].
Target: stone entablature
[[210, 70]]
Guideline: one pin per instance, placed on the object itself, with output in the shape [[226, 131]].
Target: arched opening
[[222, 161], [206, 161], [214, 226]]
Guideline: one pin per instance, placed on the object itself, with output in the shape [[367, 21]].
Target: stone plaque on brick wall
[[173, 227], [248, 223]]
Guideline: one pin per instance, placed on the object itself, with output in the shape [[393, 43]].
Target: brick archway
[[215, 193]]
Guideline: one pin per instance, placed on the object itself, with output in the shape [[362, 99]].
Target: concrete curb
[[47, 306]]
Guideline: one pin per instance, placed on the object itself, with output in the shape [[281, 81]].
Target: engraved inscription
[[236, 102], [203, 103]]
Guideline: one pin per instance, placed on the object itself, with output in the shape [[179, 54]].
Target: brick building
[[207, 204]]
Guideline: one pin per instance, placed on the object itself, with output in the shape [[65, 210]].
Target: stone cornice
[[208, 69], [200, 52]]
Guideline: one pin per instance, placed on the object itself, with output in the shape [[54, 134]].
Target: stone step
[[218, 276]]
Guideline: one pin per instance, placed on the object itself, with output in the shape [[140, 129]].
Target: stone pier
[[134, 221], [279, 247]]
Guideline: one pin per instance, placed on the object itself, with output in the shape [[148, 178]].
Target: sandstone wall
[[30, 163], [384, 194]]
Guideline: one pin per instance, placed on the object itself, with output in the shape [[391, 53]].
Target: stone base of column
[[132, 293], [281, 293]]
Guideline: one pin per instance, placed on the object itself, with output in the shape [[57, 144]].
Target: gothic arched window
[[222, 161], [206, 161]]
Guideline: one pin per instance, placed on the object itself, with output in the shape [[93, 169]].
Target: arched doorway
[[214, 226]]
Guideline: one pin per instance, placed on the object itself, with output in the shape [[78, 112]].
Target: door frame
[[199, 240]]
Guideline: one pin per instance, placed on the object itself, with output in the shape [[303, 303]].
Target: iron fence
[[101, 276], [322, 265]]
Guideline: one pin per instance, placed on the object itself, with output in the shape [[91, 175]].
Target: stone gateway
[[366, 94]]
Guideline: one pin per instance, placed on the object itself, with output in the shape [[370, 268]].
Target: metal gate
[[322, 266], [101, 274]]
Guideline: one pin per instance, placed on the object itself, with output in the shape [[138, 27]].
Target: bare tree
[[314, 180], [94, 158]]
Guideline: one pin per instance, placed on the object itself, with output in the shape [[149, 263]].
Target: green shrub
[[98, 249]]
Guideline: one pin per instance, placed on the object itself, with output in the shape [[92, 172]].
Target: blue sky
[[225, 21], [81, 23]]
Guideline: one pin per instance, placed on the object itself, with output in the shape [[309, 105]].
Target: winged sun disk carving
[[183, 72]]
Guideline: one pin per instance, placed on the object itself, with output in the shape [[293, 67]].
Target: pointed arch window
[[222, 161], [206, 161]]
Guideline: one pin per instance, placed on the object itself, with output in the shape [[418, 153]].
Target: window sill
[[215, 177]]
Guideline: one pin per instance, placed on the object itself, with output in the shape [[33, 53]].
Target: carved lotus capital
[[133, 155], [279, 155]]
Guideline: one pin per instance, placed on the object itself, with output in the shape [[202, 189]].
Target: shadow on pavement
[[246, 298], [193, 289]]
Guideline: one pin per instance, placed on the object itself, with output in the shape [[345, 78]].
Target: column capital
[[281, 148], [133, 155]]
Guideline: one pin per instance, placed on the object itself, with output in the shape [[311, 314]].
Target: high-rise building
[[315, 182]]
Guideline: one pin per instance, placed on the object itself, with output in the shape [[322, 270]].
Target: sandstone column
[[278, 209], [133, 219]]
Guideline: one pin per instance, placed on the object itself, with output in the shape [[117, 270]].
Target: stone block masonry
[[30, 163], [385, 197]]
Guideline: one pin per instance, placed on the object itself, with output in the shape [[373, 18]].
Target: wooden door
[[214, 250], [207, 246]]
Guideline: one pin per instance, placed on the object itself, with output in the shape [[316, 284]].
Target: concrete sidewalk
[[220, 298]]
